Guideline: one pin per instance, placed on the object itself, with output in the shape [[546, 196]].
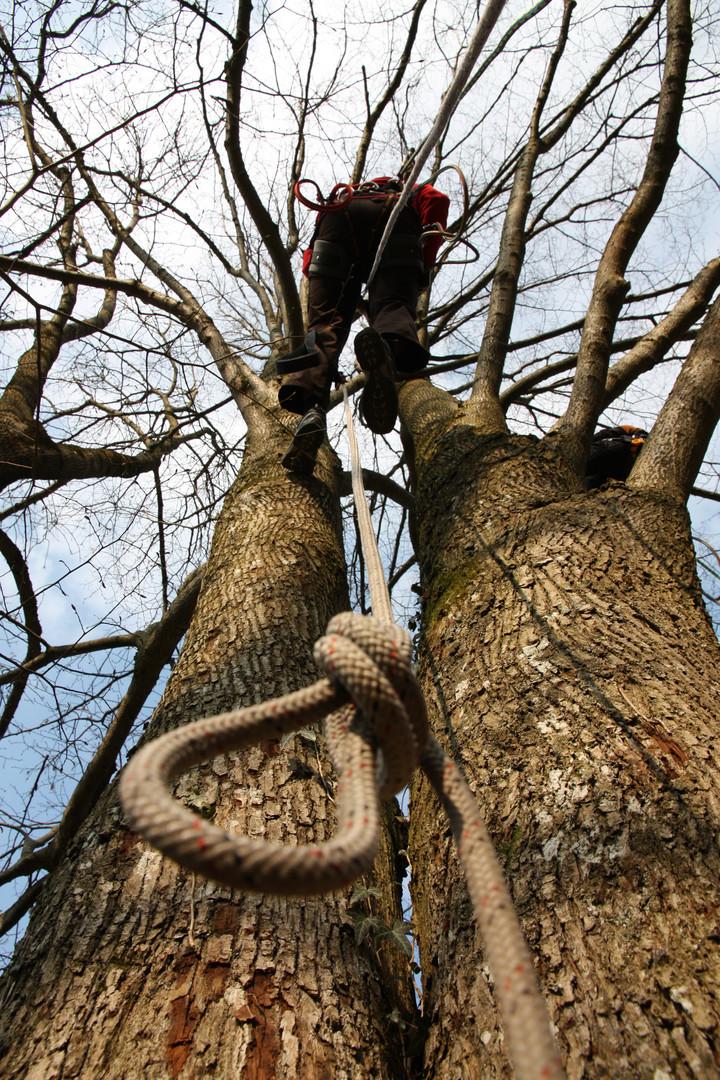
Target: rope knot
[[372, 661], [375, 743]]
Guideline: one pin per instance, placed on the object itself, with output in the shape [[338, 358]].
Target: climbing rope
[[377, 733], [379, 593], [447, 108]]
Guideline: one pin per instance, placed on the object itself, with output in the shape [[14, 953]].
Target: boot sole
[[301, 457], [379, 398]]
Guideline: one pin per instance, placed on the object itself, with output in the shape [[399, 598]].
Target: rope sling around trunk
[[377, 732]]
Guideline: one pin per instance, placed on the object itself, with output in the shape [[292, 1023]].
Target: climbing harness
[[454, 236], [332, 260], [377, 732], [338, 198], [342, 194]]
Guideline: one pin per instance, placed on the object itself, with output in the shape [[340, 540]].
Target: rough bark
[[131, 969], [570, 668]]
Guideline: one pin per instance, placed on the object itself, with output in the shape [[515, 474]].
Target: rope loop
[[377, 732], [375, 742]]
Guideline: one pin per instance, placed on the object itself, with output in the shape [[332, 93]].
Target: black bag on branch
[[613, 453]]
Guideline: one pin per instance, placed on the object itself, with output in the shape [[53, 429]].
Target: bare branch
[[54, 653], [236, 373], [383, 485], [37, 496], [493, 349], [28, 601], [703, 493], [159, 643], [671, 457], [14, 914], [388, 94], [653, 348], [33, 455], [267, 228], [611, 287], [132, 287]]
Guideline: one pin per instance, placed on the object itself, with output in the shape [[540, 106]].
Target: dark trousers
[[333, 301]]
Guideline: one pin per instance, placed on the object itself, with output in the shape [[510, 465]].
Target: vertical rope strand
[[379, 593]]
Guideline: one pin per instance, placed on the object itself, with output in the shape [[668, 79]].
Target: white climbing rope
[[379, 593], [447, 107]]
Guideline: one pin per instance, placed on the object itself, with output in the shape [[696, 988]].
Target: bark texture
[[570, 668], [131, 969]]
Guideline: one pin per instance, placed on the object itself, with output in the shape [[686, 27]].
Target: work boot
[[379, 399], [307, 440]]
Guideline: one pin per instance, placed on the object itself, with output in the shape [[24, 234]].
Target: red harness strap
[[341, 194]]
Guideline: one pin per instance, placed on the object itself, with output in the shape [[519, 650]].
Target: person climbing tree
[[347, 233], [613, 453]]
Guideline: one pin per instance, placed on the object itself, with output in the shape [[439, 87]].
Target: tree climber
[[613, 453], [347, 233]]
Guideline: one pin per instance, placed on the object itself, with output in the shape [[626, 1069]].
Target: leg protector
[[330, 260], [404, 251], [306, 356]]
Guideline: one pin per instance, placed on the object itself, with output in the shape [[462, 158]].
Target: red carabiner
[[338, 198], [297, 192]]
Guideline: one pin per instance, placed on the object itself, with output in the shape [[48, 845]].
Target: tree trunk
[[570, 668], [132, 969]]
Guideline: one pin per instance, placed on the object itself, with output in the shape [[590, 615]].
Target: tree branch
[[26, 593], [654, 346], [159, 643], [493, 349], [161, 640], [62, 652], [610, 288], [26, 455], [130, 287], [671, 457], [187, 310], [14, 914], [388, 95], [702, 493], [383, 485], [269, 232]]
